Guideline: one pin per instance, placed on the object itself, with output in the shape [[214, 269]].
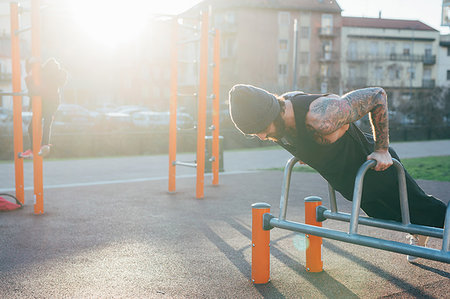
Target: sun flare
[[113, 22]]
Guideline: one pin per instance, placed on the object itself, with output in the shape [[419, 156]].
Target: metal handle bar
[[357, 193]]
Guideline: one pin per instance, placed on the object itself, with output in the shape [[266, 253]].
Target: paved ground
[[111, 230]]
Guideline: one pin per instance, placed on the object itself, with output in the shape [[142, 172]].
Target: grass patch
[[429, 168]]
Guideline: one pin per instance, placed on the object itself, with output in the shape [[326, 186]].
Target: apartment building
[[443, 77], [399, 55], [260, 47]]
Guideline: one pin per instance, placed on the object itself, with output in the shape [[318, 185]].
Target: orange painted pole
[[37, 110], [201, 122], [314, 247], [17, 103], [216, 108], [260, 245], [173, 108]]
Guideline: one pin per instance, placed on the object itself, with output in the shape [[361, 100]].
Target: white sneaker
[[417, 240], [45, 150]]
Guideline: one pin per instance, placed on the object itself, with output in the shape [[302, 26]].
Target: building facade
[[443, 77], [399, 55], [260, 46]]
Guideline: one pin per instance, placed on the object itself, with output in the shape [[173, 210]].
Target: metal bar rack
[[322, 213]]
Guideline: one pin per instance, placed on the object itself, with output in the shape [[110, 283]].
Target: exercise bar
[[419, 251], [15, 94], [193, 165]]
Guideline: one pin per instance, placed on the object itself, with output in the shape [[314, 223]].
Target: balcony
[[355, 57], [428, 83], [429, 59], [328, 56], [328, 31]]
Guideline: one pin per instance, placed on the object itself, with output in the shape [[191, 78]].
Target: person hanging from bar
[[319, 130], [53, 78]]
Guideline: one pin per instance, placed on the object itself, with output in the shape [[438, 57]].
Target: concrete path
[[80, 172]]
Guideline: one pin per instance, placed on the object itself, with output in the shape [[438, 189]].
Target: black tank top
[[338, 162]]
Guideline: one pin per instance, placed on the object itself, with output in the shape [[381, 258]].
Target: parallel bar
[[203, 81], [446, 238], [173, 108], [216, 109], [388, 224], [285, 188], [357, 193], [194, 165], [332, 195], [17, 104], [419, 251], [37, 110]]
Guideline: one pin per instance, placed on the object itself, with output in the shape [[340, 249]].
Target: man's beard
[[280, 130]]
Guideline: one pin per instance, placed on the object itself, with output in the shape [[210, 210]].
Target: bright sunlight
[[114, 22]]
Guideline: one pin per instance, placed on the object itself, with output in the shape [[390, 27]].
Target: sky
[[427, 11]]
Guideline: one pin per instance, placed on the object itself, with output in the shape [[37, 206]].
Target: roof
[[385, 23], [307, 5]]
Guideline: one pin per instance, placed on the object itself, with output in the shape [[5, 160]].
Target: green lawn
[[430, 168]]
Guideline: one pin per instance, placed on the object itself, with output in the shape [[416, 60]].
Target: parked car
[[154, 119], [72, 117]]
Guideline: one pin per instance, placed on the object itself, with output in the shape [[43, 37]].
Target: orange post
[[314, 248], [17, 103], [260, 245], [173, 108], [201, 125], [37, 110], [216, 108]]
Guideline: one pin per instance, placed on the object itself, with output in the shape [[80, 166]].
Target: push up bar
[[263, 222]]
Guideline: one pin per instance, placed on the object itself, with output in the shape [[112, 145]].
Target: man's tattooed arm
[[327, 114]]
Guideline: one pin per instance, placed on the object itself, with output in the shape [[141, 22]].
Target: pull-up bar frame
[[17, 106], [202, 105]]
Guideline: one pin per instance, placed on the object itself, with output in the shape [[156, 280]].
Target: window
[[448, 75], [228, 47], [378, 73], [412, 73], [230, 17], [407, 49], [352, 50], [304, 32], [327, 23], [352, 72], [283, 44], [374, 49], [304, 57], [282, 69], [284, 18], [428, 51], [448, 51]]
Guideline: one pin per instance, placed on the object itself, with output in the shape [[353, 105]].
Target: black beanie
[[252, 109]]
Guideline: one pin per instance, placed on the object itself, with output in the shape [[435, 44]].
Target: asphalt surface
[[111, 230]]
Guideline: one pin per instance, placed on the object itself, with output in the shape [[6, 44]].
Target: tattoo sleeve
[[328, 114]]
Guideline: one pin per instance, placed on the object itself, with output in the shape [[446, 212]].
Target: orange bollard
[[314, 249], [260, 245]]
